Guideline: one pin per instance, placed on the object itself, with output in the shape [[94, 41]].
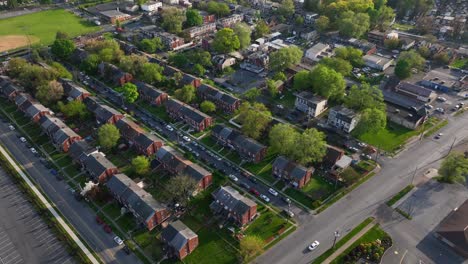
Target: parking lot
[[24, 236]]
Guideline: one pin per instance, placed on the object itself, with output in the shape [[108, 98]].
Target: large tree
[[219, 9], [185, 94], [151, 73], [255, 118], [180, 189], [454, 168], [90, 64], [15, 66], [286, 8], [285, 58], [328, 83], [365, 96], [402, 69], [312, 5], [193, 18], [353, 25], [322, 24], [133, 64], [49, 93], [108, 136], [414, 59], [207, 106], [150, 45], [249, 247], [283, 138], [172, 19], [226, 41], [252, 94], [309, 147], [302, 81], [341, 66], [62, 72], [372, 121], [382, 18], [141, 165], [74, 109], [261, 29], [62, 48], [243, 32], [353, 55], [129, 92]]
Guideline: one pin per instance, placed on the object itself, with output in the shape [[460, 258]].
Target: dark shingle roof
[[79, 148], [146, 139], [232, 200], [148, 90], [412, 88], [97, 163], [186, 110], [216, 95], [35, 109], [177, 234], [238, 140], [454, 227], [63, 134]]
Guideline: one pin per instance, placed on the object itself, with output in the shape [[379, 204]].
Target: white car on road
[[168, 127], [233, 178], [118, 240], [265, 198], [33, 150], [314, 245], [272, 191], [186, 138], [11, 127], [22, 139]]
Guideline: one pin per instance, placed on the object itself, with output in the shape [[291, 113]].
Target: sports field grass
[[42, 26]]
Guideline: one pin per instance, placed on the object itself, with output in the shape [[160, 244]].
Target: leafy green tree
[[243, 32], [250, 246], [172, 19], [328, 83], [272, 88], [353, 25], [151, 73], [202, 57], [74, 109], [129, 92], [252, 94], [180, 189], [381, 18], [312, 5], [16, 66], [150, 45], [254, 117], [61, 35], [302, 81], [62, 48], [49, 93], [261, 29], [424, 51], [339, 65], [33, 76], [299, 20], [207, 106], [454, 168], [198, 69], [133, 64], [178, 59], [226, 41], [62, 72], [365, 96], [441, 58], [392, 43], [285, 58], [309, 147], [413, 58], [402, 69], [219, 9], [372, 121], [90, 64], [283, 138], [185, 94], [279, 76], [141, 165], [286, 8], [193, 18], [322, 24], [108, 136], [353, 55], [11, 4]]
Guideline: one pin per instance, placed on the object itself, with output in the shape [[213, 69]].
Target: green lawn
[[389, 139], [112, 210], [460, 63], [72, 170], [43, 25], [402, 27], [267, 225], [64, 161], [127, 222], [400, 195]]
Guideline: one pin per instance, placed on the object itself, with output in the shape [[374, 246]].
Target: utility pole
[[336, 235], [451, 146]]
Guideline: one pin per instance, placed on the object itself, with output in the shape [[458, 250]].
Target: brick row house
[[79, 150], [140, 203], [151, 94], [170, 160], [61, 135], [191, 116], [103, 113], [8, 89], [222, 100], [114, 74], [30, 107], [143, 141], [246, 147], [99, 167], [180, 239], [295, 173], [230, 205], [73, 91]]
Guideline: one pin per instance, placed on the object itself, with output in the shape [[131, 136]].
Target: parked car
[[22, 139], [254, 192], [288, 213], [362, 145], [186, 138], [440, 110], [118, 240], [11, 127], [99, 220], [34, 151], [442, 99], [265, 198], [286, 199], [168, 127], [439, 135], [273, 191], [107, 228], [252, 179], [245, 185], [233, 178], [126, 250], [314, 245], [53, 172]]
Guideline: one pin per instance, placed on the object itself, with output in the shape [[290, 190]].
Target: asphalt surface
[[366, 200], [78, 214], [195, 147], [24, 236], [413, 241]]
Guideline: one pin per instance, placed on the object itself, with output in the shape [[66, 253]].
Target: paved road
[[77, 213], [24, 236], [368, 199]]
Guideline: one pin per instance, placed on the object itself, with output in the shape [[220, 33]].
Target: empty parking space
[[24, 236]]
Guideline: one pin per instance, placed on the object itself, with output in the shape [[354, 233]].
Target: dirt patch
[[16, 41]]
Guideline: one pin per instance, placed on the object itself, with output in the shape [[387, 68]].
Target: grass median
[[399, 195]]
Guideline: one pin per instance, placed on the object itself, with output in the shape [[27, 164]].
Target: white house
[[317, 52], [312, 105], [377, 62], [151, 6], [342, 118]]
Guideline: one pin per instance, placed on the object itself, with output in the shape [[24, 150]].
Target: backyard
[[40, 27], [389, 139]]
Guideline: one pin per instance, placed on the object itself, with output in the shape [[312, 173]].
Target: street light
[[336, 235]]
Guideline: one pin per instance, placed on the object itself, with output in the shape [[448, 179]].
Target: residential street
[[77, 213], [366, 200]]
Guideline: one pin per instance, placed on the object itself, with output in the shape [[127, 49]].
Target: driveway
[[413, 239]]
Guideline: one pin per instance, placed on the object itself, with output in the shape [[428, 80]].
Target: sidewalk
[[349, 243], [50, 208]]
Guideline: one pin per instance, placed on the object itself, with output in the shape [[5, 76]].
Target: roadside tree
[[285, 57], [254, 118], [108, 136], [250, 246], [226, 41], [129, 91], [454, 168]]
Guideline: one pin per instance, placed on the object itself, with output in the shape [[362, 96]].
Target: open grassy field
[[390, 138], [41, 28]]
